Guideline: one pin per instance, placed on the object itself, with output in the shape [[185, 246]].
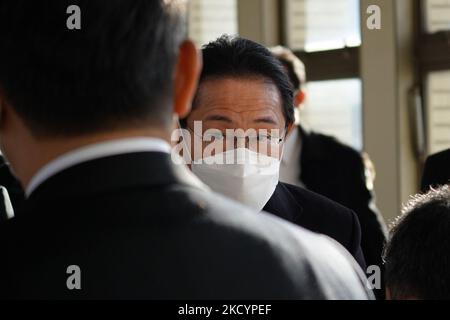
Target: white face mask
[[243, 175]]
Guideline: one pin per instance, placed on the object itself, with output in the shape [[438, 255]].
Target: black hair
[[292, 64], [115, 71], [232, 56], [417, 258]]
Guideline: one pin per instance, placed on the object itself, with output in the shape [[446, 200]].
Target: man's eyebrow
[[216, 117], [267, 119]]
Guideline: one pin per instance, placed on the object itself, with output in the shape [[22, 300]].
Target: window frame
[[432, 49], [333, 64], [432, 54]]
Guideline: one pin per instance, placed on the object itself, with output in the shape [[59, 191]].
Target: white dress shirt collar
[[292, 147], [96, 151], [290, 169]]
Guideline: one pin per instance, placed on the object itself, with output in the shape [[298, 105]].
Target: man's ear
[[187, 73], [299, 98]]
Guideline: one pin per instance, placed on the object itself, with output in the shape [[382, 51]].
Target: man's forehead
[[226, 115], [239, 95]]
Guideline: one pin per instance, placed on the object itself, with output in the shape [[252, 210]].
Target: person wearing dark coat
[[87, 117], [437, 170], [322, 164], [319, 214]]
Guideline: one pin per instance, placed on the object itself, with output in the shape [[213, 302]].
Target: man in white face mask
[[240, 118], [246, 176]]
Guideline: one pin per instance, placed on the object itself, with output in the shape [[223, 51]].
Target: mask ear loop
[[279, 145], [286, 136], [283, 142]]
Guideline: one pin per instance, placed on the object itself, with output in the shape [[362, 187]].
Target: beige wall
[[387, 74], [259, 21]]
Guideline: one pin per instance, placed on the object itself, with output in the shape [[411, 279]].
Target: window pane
[[437, 15], [334, 107], [314, 25], [438, 111], [209, 19]]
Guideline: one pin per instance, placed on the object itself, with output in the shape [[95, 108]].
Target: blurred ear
[[299, 98], [187, 73]]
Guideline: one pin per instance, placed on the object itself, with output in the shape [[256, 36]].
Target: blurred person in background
[[437, 170], [323, 164]]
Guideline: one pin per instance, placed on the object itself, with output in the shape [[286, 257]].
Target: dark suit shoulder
[[436, 170], [174, 242], [439, 161], [323, 215], [441, 156], [149, 231], [303, 252], [320, 205], [332, 149], [336, 170]]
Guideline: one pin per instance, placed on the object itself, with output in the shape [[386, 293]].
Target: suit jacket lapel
[[283, 204]]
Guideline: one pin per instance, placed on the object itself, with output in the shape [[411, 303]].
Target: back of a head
[[115, 71], [417, 254]]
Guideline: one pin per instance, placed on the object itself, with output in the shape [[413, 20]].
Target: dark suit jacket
[[437, 170], [138, 226], [318, 214], [338, 172]]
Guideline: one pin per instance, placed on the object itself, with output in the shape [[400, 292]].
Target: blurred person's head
[[127, 72], [295, 70], [417, 255], [244, 106]]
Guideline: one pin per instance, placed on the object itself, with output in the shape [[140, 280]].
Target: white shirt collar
[[292, 147], [95, 151]]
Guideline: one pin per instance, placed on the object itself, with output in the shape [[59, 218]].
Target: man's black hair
[[116, 71], [292, 64], [417, 256], [236, 57]]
